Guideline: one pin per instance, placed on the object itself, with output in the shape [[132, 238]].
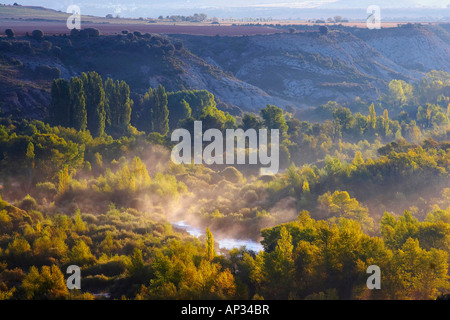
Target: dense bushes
[[9, 33], [103, 198], [37, 34]]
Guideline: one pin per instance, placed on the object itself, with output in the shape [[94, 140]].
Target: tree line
[[89, 103]]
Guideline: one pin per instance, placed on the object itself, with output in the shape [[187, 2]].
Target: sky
[[152, 8]]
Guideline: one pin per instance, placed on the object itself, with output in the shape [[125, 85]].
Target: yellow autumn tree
[[210, 253], [48, 284]]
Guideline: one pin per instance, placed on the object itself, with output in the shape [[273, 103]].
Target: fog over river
[[224, 243]]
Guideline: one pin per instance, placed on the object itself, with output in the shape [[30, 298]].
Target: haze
[[236, 8]]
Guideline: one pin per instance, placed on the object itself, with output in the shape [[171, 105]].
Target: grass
[[22, 12]]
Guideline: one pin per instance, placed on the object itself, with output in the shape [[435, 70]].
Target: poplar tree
[[147, 111], [372, 116], [77, 105], [386, 122], [118, 104], [95, 102], [109, 91], [121, 107], [30, 154], [209, 245], [160, 112], [60, 103], [156, 112], [64, 179]]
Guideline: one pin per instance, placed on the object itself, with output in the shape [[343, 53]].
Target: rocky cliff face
[[307, 68], [226, 87], [415, 48]]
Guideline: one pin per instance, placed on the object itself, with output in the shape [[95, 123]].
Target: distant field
[[358, 24], [24, 19], [55, 28]]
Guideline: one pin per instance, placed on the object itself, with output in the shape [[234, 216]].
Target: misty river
[[224, 243]]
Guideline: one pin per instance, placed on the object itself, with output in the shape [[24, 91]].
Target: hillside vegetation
[[86, 176], [347, 198]]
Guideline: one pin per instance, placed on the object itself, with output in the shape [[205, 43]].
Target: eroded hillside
[[301, 69], [311, 68]]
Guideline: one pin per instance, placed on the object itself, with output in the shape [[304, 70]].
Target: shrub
[[89, 218], [178, 45], [108, 269], [9, 33], [46, 189], [5, 45], [232, 174], [92, 32], [56, 51], [323, 30], [250, 196], [26, 47], [84, 33], [46, 46], [23, 47], [169, 49], [28, 203], [74, 33], [96, 283], [37, 34]]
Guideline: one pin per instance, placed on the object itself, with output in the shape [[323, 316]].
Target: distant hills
[[401, 9]]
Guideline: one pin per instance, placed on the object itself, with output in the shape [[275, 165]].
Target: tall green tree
[[273, 118], [209, 245], [156, 111], [386, 122], [60, 103], [343, 116], [49, 284], [109, 92], [250, 121], [178, 110], [95, 102], [136, 263], [278, 267], [372, 116], [78, 117], [118, 104], [160, 112]]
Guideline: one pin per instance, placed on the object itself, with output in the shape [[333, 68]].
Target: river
[[224, 243]]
